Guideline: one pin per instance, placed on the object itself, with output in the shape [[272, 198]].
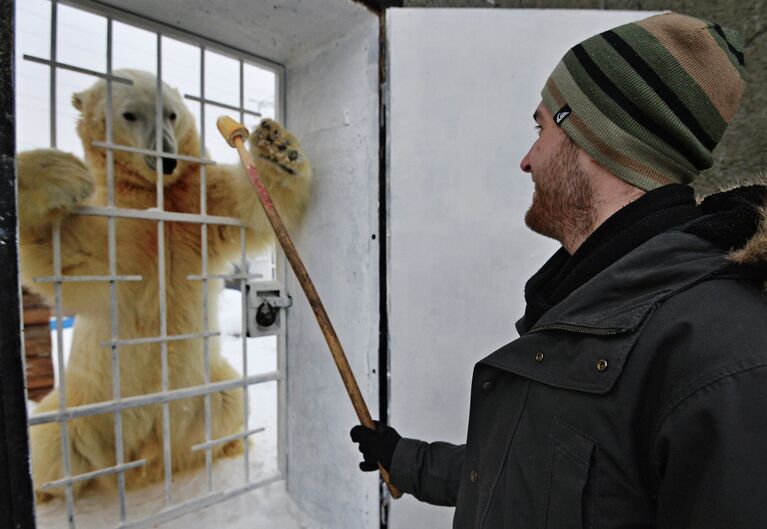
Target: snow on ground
[[266, 507]]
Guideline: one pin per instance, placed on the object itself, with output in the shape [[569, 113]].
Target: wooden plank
[[37, 315], [39, 363]]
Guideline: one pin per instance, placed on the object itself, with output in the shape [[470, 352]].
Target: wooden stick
[[235, 133]]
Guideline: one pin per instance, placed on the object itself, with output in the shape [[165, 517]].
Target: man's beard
[[563, 203]]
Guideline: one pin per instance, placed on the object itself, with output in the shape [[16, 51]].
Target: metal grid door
[[118, 403]]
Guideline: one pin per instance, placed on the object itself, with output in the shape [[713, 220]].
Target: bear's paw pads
[[270, 141]]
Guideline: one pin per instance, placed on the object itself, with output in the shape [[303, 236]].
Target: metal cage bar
[[199, 503], [64, 430], [52, 87], [204, 273], [113, 313], [86, 279], [161, 287], [154, 214], [159, 339], [244, 305], [77, 69], [233, 108], [117, 469], [222, 440], [151, 398], [244, 323], [56, 236], [195, 277], [156, 152], [280, 271]]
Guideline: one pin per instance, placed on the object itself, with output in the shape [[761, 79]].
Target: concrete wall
[[332, 106], [742, 153]]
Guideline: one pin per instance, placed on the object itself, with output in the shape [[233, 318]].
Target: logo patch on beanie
[[562, 114]]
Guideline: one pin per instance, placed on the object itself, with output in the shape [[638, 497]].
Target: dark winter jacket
[[637, 401]]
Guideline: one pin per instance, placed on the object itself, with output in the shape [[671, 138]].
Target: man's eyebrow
[[536, 115]]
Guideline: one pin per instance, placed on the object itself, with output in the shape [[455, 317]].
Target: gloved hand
[[377, 446]]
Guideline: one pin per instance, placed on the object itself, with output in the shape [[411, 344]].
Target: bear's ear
[[77, 100]]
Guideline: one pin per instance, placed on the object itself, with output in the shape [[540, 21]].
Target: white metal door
[[463, 88]]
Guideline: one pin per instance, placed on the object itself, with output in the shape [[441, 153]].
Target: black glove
[[377, 446]]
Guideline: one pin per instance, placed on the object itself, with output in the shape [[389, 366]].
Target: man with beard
[[635, 394]]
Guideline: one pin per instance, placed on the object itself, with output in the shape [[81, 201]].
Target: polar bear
[[51, 184]]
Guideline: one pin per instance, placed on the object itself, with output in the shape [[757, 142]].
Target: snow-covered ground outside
[[266, 507]]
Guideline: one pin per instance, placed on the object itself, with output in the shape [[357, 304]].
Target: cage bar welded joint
[[16, 500], [111, 213]]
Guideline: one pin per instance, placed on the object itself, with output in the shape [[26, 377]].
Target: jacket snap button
[[539, 356], [488, 385], [601, 365], [473, 476]]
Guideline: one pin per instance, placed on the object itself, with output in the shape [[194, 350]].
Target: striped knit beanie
[[650, 100]]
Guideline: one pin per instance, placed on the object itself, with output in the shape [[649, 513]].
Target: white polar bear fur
[[51, 184]]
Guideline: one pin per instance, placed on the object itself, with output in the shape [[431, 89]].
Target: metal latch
[[265, 299]]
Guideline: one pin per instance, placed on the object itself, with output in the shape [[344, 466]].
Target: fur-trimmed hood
[[736, 220]]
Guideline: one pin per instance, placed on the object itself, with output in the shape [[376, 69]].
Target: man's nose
[[525, 163]]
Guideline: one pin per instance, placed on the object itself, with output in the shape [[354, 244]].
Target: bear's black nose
[[168, 165]]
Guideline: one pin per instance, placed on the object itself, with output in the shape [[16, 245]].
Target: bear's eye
[[129, 116], [172, 116]]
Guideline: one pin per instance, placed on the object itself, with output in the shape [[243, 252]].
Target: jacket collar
[[619, 298], [602, 317], [732, 232]]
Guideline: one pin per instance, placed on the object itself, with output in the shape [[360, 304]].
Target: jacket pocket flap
[[581, 362]]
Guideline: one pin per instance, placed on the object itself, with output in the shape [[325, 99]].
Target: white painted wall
[[332, 106], [464, 85]]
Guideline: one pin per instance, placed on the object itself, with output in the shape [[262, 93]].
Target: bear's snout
[[168, 147], [168, 165]]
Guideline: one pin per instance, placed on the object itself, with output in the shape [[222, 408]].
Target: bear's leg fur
[[151, 451], [227, 407], [91, 448], [51, 184], [226, 415]]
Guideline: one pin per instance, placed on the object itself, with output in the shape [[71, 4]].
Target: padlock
[[266, 314]]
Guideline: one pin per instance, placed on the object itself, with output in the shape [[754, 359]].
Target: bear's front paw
[[272, 143], [51, 183]]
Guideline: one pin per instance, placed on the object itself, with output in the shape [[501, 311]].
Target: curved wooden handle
[[235, 133]]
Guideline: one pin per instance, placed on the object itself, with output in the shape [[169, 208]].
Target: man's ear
[[78, 98]]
